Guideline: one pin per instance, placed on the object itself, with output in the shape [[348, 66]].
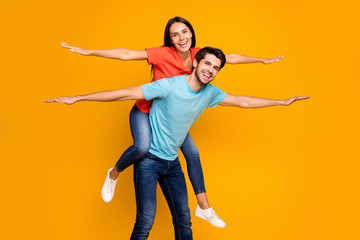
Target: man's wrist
[[78, 98]]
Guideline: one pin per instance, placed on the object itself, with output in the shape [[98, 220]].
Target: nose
[[181, 36], [210, 68]]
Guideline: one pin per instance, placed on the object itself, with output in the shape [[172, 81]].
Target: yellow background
[[275, 173]]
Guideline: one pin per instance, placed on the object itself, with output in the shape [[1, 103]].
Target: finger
[[294, 98], [75, 49], [66, 46], [276, 59], [50, 100], [279, 58], [302, 98]]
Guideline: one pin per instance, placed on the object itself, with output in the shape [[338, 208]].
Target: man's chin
[[206, 82]]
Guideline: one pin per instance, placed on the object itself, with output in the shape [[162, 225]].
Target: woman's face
[[180, 36]]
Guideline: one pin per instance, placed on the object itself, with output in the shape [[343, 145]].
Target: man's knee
[[182, 217], [146, 218]]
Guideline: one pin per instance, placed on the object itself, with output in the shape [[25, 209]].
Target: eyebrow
[[215, 66], [179, 31]]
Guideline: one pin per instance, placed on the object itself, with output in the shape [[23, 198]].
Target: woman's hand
[[289, 101], [271, 60], [82, 51]]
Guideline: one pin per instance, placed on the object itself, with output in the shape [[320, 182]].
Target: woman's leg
[[191, 154], [141, 133]]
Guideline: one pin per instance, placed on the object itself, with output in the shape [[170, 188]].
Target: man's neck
[[193, 82]]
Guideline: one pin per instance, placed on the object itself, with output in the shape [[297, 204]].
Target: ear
[[195, 63]]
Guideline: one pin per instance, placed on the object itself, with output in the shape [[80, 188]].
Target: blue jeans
[[170, 176], [141, 132]]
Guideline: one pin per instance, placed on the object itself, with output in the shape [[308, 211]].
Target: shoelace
[[110, 186], [213, 215]]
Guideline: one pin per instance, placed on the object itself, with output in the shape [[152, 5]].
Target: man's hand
[[289, 101], [82, 51], [66, 100], [271, 60]]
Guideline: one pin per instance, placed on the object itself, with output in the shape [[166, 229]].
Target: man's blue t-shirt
[[174, 110]]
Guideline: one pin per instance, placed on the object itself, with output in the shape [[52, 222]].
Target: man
[[178, 102]]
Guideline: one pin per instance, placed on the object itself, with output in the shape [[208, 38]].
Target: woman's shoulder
[[162, 51], [161, 48], [194, 51]]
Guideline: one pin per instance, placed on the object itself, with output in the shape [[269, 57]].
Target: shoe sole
[[200, 216]]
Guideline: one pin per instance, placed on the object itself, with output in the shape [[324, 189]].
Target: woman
[[172, 59]]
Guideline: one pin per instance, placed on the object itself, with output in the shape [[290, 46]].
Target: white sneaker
[[210, 216], [107, 192]]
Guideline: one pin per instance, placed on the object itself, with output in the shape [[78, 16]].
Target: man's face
[[207, 68]]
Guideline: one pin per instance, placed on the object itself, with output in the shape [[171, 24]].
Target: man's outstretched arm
[[254, 102], [133, 93]]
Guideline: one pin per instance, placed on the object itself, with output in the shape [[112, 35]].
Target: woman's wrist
[[91, 52], [282, 102], [262, 60]]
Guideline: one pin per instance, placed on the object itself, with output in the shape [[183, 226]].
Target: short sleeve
[[156, 89], [218, 96], [196, 50], [156, 55]]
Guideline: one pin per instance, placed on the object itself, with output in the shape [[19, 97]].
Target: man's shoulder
[[175, 79], [211, 87], [178, 78], [213, 91], [171, 82]]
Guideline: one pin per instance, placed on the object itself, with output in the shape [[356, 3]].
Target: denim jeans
[[170, 176], [141, 132]]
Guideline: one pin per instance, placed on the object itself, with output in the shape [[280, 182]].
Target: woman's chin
[[182, 49]]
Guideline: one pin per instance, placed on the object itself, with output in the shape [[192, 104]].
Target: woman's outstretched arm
[[116, 53], [235, 58]]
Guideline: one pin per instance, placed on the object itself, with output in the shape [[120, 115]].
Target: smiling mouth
[[206, 75], [183, 44]]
